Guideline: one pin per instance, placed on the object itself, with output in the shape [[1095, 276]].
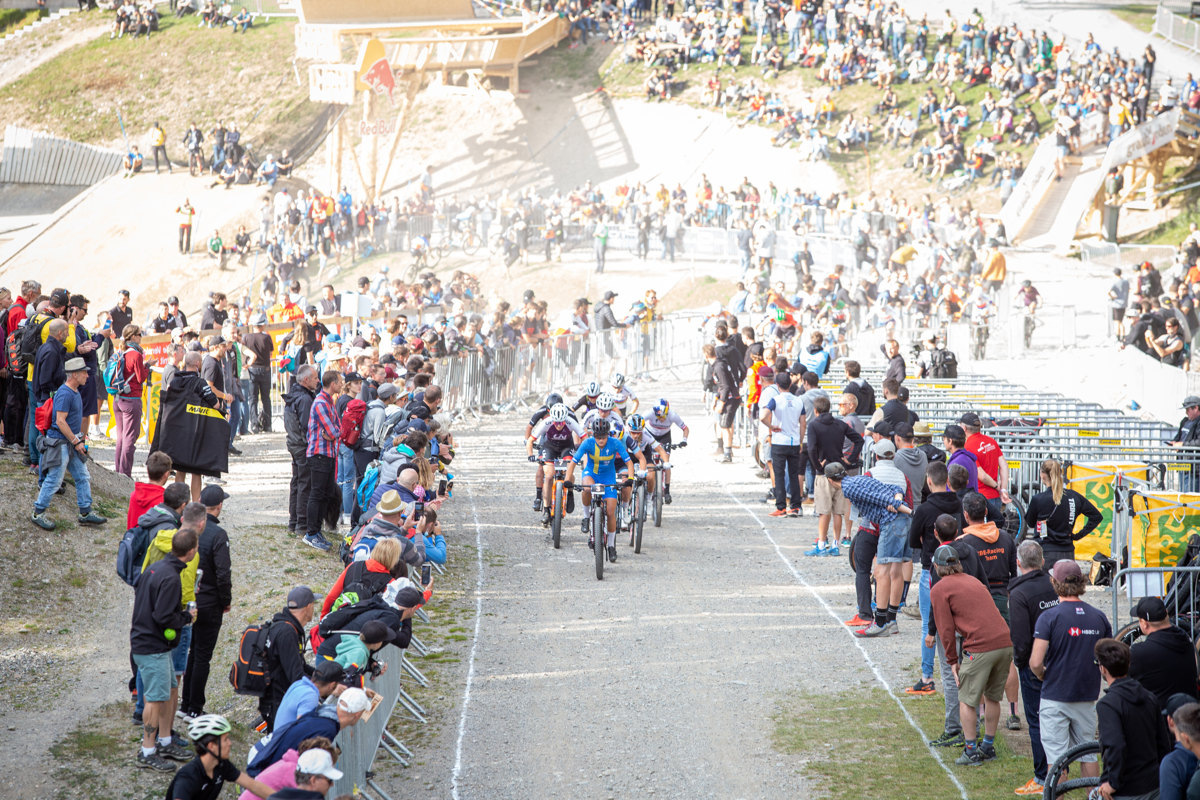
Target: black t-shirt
[[120, 318], [191, 782], [261, 345], [210, 370]]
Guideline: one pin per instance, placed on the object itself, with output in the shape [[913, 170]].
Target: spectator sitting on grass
[[132, 162], [268, 171], [242, 21]]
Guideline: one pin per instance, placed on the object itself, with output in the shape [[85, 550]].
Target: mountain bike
[[196, 161], [464, 235], [660, 466], [559, 499], [599, 524], [1054, 790], [637, 517]]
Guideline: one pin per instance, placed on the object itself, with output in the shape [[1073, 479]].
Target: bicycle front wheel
[[658, 500], [599, 534], [471, 243], [556, 515], [435, 255], [639, 519]]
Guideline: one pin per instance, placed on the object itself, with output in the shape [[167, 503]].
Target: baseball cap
[[954, 432], [387, 390], [883, 448], [214, 340], [327, 671], [403, 593], [310, 310], [376, 632], [883, 428], [353, 376], [318, 762], [300, 597], [835, 471], [945, 555], [213, 495], [904, 430], [416, 424], [1151, 609], [172, 300], [528, 295], [783, 380], [259, 319], [610, 294], [352, 701], [1191, 400], [1176, 702], [972, 419], [1065, 570], [75, 365]]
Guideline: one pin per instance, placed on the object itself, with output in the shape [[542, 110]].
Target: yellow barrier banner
[[1162, 523], [1095, 482]]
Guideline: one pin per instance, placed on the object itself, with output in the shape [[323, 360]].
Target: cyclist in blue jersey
[[658, 425], [555, 437], [601, 453]]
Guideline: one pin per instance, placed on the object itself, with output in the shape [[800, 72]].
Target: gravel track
[[664, 678]]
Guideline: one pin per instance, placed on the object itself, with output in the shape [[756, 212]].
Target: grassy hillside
[[182, 73]]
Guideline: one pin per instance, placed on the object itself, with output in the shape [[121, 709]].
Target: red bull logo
[[374, 72]]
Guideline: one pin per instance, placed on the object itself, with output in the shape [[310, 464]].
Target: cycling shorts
[[664, 439], [550, 452], [609, 491]]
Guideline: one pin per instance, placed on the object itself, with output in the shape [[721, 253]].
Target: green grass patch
[[13, 19], [699, 292], [1172, 231], [858, 744], [1140, 16], [180, 74]]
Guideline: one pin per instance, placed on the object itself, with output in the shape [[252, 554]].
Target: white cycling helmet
[[593, 389], [606, 402], [558, 413], [208, 725], [618, 381]]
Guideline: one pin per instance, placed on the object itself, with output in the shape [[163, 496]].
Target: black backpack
[[943, 364], [31, 340], [250, 674]]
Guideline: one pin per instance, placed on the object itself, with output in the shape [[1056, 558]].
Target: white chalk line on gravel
[[462, 719], [962, 790]]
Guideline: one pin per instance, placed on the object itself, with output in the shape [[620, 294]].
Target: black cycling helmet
[[553, 399], [600, 427]]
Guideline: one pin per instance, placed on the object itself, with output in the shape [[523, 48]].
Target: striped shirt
[[323, 427]]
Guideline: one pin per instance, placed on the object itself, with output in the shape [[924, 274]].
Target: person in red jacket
[[146, 495], [963, 605]]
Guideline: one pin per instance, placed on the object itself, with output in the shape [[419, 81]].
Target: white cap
[[353, 700], [317, 762]]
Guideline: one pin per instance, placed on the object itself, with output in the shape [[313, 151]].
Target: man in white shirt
[[784, 417]]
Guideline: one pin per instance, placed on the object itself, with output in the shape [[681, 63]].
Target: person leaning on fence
[[1133, 738], [1188, 436], [315, 776], [1164, 659]]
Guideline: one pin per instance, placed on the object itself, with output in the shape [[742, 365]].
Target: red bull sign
[[374, 72]]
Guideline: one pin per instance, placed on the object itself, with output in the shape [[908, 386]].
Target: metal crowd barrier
[[360, 743], [506, 376]]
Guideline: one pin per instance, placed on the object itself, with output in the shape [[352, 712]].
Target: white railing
[[1177, 29]]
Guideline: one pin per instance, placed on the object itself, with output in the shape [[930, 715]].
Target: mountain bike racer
[[658, 425], [643, 445], [556, 436], [591, 394], [606, 410], [600, 451], [623, 395]]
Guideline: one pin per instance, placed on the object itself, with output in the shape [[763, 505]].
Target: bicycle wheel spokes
[[556, 514], [599, 532]]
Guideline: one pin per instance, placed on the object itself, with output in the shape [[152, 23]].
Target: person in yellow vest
[[995, 268], [158, 143], [185, 214]]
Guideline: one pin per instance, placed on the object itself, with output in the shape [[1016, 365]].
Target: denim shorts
[[893, 541], [158, 675]]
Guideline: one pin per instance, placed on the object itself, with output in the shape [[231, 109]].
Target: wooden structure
[[397, 46], [31, 157]]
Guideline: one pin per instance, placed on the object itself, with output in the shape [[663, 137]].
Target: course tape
[[462, 719], [962, 790]]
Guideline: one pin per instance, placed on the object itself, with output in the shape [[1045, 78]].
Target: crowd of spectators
[[1158, 311], [1030, 79]]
